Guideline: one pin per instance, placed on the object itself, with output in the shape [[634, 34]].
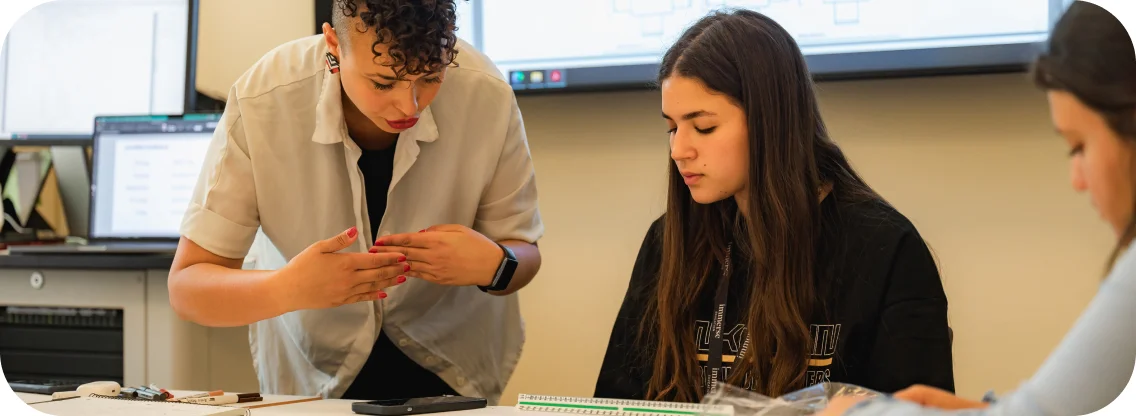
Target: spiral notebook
[[104, 405], [614, 407]]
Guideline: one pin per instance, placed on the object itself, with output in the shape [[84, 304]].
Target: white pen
[[194, 396], [226, 398]]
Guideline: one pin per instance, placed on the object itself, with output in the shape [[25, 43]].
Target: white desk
[[275, 405], [32, 398], [270, 400], [333, 407]]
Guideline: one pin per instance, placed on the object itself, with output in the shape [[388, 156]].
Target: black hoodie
[[886, 328]]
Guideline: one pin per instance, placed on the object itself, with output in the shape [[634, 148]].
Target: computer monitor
[[144, 172], [66, 62], [552, 45]]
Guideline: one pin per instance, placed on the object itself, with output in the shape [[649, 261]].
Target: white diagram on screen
[[652, 14]]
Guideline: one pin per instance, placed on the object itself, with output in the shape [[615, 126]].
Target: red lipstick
[[403, 124]]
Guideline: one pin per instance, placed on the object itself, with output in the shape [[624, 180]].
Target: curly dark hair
[[420, 33]]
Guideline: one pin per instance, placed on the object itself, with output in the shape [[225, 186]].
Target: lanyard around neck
[[714, 358]]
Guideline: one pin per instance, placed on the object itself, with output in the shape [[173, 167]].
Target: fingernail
[[421, 231], [382, 295], [401, 259], [407, 268], [352, 232], [378, 243], [401, 279], [373, 250]]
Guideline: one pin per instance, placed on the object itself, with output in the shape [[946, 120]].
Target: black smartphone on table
[[401, 407]]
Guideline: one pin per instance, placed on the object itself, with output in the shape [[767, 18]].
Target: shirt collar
[[331, 127]]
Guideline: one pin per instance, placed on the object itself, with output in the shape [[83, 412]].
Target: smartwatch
[[504, 272]]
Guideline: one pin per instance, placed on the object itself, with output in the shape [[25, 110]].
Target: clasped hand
[[322, 277], [452, 255]]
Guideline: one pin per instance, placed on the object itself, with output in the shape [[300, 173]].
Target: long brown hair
[[1091, 56], [754, 61]]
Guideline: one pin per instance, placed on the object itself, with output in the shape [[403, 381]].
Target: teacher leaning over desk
[[379, 128]]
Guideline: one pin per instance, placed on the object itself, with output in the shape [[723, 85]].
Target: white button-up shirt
[[281, 174]]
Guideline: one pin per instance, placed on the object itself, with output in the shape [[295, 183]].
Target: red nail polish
[[378, 243], [402, 279], [352, 232], [382, 295], [407, 268], [421, 231], [401, 259], [372, 250]]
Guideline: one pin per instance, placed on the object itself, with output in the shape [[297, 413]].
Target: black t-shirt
[[883, 326], [388, 373], [377, 167]]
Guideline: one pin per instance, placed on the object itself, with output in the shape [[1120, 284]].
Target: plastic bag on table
[[802, 402]]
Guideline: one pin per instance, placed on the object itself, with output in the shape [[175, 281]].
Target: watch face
[[505, 273], [510, 266]]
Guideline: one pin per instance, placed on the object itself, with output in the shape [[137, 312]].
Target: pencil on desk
[[285, 402]]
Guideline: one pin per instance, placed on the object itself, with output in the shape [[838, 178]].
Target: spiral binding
[[619, 404], [99, 396], [134, 399], [613, 402]]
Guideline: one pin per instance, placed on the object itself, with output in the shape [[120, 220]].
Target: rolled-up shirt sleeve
[[222, 216], [509, 210]]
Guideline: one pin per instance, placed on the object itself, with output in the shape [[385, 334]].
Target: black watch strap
[[505, 272]]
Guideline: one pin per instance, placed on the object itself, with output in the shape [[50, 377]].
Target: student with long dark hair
[[775, 266], [1090, 76]]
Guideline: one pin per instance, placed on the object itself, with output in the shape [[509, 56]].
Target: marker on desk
[[128, 392], [227, 398], [194, 396], [165, 394], [222, 399], [147, 394]]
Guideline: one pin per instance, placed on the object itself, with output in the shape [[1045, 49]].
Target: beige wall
[[972, 161], [223, 54]]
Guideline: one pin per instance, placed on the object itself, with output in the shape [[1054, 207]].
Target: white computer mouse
[[102, 388]]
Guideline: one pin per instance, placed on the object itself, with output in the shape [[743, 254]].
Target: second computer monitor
[[144, 173]]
